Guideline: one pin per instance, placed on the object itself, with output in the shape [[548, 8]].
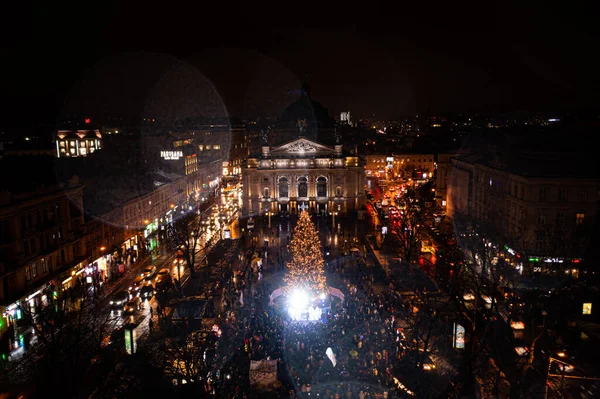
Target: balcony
[[41, 227]]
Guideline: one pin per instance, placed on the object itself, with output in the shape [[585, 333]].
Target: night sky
[[384, 61]]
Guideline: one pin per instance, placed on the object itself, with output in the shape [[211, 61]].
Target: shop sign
[[171, 155], [121, 268], [553, 260]]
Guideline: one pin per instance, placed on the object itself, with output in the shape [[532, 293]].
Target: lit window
[[579, 218], [216, 147]]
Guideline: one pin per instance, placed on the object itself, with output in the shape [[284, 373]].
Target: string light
[[305, 269]]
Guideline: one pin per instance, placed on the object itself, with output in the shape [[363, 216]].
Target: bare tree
[[484, 279], [423, 328], [405, 231], [70, 333], [188, 235]]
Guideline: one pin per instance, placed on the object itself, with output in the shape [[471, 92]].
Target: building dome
[[304, 117]]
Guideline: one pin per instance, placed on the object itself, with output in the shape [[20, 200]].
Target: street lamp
[[333, 214], [178, 262]]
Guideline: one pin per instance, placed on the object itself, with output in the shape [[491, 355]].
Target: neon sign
[[171, 155]]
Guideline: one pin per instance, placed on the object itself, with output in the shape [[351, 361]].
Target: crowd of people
[[360, 331]]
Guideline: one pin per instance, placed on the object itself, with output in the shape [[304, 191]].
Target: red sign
[[88, 120]]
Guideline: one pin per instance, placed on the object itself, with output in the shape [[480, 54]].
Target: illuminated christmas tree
[[305, 269]]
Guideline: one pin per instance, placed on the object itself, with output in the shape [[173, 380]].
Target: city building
[[43, 243], [543, 204], [345, 118], [303, 174], [77, 143], [239, 151], [408, 165], [442, 168]]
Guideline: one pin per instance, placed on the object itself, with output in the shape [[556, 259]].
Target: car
[[133, 305], [163, 272], [119, 299], [136, 285], [149, 272], [146, 292], [163, 283]]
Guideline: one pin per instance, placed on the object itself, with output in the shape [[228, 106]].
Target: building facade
[[77, 143], [43, 247], [442, 169], [548, 217], [410, 166], [303, 174]]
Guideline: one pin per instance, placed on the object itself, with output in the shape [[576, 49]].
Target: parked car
[[133, 305], [119, 299], [149, 272], [146, 292]]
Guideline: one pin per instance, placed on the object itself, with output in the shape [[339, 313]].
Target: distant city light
[[553, 120]]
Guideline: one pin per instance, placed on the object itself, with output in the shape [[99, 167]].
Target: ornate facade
[[303, 174]]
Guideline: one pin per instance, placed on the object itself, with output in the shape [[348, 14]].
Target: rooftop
[[544, 152]]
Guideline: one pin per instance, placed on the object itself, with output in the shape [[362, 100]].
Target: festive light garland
[[305, 268]]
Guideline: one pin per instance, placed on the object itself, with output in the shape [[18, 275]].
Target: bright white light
[[299, 299], [322, 296]]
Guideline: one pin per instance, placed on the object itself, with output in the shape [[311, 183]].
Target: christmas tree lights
[[305, 269]]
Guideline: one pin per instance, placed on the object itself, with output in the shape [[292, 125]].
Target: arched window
[[321, 187], [338, 191], [303, 187], [266, 192], [284, 188]]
